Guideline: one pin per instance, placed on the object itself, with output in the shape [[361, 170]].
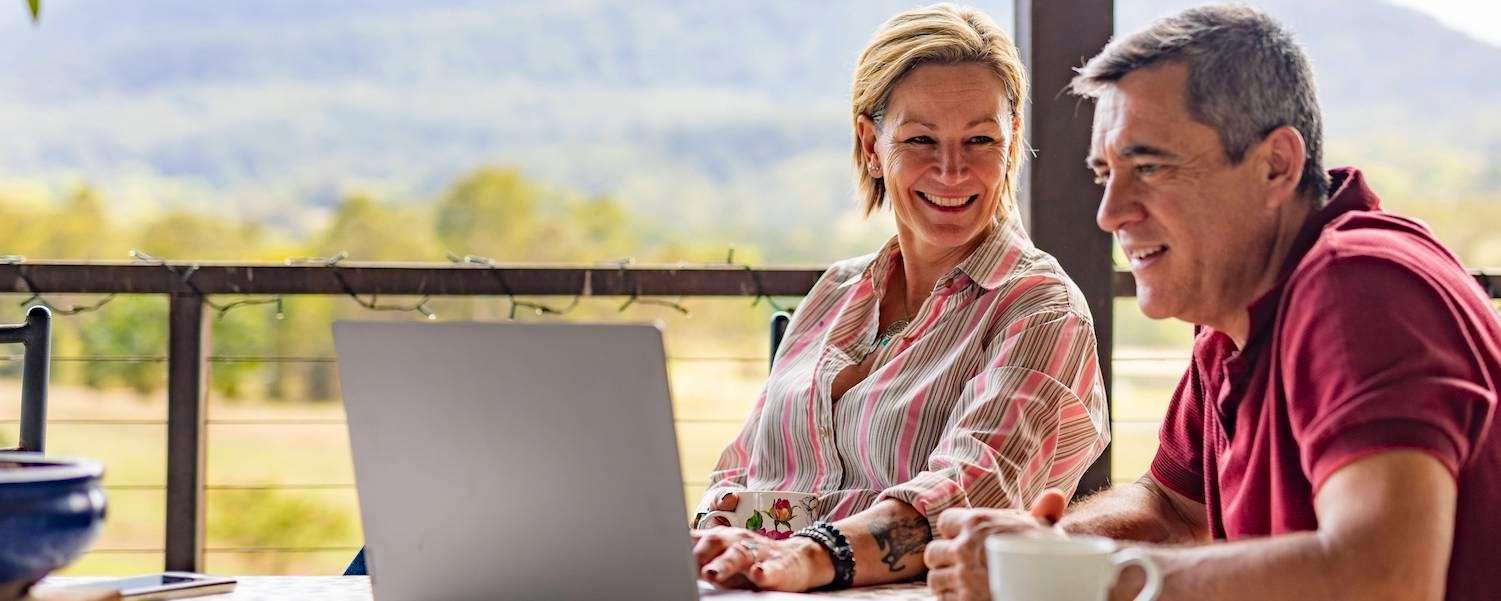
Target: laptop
[[516, 461]]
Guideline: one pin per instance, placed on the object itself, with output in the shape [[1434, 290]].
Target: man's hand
[[737, 558], [956, 563]]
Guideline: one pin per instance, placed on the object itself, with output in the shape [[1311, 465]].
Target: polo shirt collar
[[1350, 193]]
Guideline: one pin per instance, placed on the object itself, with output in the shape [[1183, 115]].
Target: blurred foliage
[[492, 212], [502, 214], [372, 231], [259, 518], [132, 326]]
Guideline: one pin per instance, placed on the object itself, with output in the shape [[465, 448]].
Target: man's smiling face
[[1196, 229]]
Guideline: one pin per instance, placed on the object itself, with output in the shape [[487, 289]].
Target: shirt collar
[[988, 265], [994, 260]]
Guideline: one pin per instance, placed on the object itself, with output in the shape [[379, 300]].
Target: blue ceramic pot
[[50, 510]]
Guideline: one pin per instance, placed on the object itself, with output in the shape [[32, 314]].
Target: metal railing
[[188, 287]]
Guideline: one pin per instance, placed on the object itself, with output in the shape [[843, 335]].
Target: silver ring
[[749, 547]]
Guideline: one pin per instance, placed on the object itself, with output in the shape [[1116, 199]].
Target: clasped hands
[[737, 558]]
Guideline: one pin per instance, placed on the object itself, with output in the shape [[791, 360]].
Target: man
[[1334, 436]]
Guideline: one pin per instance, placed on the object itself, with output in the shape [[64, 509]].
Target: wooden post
[[1058, 197], [188, 342]]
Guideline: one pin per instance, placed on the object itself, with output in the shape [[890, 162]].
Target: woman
[[954, 367]]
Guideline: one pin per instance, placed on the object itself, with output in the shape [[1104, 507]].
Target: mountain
[[725, 119]]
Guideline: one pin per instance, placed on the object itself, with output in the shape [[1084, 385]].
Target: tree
[[492, 213], [371, 231], [182, 235], [78, 228]]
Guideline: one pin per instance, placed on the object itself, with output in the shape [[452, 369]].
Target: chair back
[[779, 321], [34, 335]]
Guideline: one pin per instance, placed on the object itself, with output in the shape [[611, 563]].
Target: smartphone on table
[[166, 585]]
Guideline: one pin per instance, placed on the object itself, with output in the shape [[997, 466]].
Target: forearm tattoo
[[899, 538]]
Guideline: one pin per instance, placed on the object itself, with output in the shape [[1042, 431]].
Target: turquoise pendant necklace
[[892, 331], [897, 327]]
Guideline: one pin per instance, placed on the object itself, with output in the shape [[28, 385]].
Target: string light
[[505, 288], [636, 298], [756, 280], [185, 274], [37, 298], [374, 303]]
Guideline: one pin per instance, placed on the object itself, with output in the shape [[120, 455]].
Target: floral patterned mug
[[776, 514]]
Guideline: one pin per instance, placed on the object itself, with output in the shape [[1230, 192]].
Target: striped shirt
[[992, 394]]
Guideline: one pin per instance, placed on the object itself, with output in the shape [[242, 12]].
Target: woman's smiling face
[[941, 150]]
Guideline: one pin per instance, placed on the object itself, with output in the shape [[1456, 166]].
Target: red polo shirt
[[1374, 339]]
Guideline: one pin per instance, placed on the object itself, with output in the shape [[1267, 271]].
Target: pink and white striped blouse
[[991, 395]]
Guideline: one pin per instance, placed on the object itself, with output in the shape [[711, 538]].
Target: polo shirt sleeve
[[1377, 357], [1179, 462]]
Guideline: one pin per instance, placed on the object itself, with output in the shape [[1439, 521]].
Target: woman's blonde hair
[[941, 34]]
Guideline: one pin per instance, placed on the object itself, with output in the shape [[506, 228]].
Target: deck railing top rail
[[61, 277]]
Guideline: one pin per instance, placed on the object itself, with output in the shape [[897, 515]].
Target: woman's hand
[[956, 563], [727, 502], [736, 558]]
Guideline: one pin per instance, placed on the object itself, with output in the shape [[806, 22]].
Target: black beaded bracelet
[[843, 557]]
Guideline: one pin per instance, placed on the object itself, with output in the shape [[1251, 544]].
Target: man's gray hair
[[1246, 78]]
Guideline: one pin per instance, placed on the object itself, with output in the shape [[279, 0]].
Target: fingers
[[781, 568], [956, 562], [954, 521], [756, 562], [735, 560], [940, 553], [955, 584], [943, 582], [707, 546], [727, 502], [1049, 506], [712, 543], [966, 549], [771, 574]]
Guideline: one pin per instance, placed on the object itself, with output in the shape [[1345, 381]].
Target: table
[[357, 588]]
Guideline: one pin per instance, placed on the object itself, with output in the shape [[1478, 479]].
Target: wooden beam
[[405, 279], [1058, 195], [188, 344], [445, 279]]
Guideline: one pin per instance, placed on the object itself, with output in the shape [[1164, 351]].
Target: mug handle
[[1131, 556], [707, 521]]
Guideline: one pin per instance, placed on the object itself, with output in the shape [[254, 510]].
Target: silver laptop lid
[[516, 461]]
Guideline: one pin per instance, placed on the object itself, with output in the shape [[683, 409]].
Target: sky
[[1479, 18]]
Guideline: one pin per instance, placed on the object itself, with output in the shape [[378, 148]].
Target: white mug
[[773, 513], [1062, 568]]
